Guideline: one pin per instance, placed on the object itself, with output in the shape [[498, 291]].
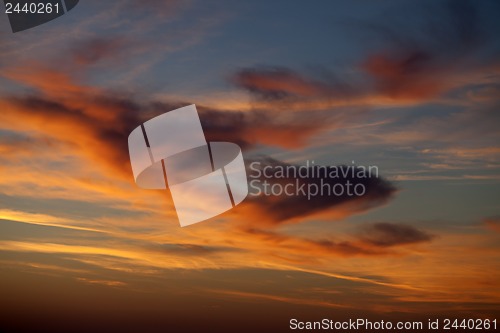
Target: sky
[[410, 87]]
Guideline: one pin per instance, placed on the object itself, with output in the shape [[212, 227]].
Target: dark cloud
[[373, 240], [283, 208], [343, 248], [388, 234]]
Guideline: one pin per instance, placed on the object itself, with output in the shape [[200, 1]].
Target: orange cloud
[[407, 77], [93, 124], [51, 82]]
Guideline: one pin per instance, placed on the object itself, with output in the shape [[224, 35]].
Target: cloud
[[335, 201], [47, 80], [74, 144], [266, 127], [90, 126], [287, 89], [302, 248], [87, 129], [445, 51], [100, 138], [388, 235], [108, 283], [91, 121], [378, 239], [276, 83], [345, 248], [97, 122], [41, 219], [411, 66]]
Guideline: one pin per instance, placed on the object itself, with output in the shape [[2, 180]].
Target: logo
[[26, 14], [204, 178]]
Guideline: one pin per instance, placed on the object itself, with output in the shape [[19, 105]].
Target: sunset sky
[[412, 87]]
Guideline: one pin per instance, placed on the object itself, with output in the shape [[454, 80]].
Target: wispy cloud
[[387, 235]]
